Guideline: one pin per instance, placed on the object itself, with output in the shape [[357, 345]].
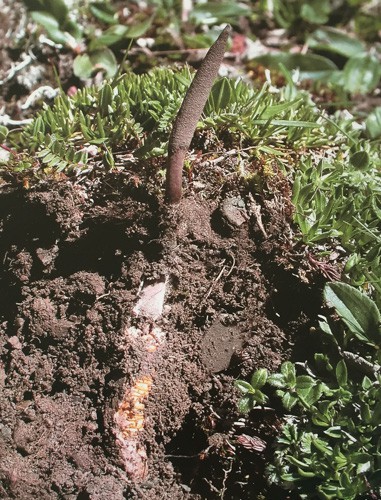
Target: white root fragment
[[129, 419]]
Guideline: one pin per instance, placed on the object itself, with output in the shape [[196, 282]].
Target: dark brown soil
[[74, 258]]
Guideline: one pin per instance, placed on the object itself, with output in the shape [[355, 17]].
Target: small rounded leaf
[[245, 404], [361, 73], [289, 373], [360, 160], [244, 386], [259, 378], [260, 397], [342, 373]]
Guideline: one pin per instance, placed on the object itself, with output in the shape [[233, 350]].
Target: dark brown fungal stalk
[[189, 114]]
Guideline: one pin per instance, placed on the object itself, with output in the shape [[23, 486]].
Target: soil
[[75, 258]]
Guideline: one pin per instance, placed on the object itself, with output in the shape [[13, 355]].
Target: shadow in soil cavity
[[290, 298], [185, 453], [294, 307], [104, 249]]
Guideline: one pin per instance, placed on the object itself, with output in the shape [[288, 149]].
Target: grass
[[137, 113]]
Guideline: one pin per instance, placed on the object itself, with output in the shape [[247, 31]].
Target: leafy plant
[[288, 13], [357, 311], [3, 133], [361, 73], [218, 12], [330, 447], [74, 29], [252, 394], [136, 112], [101, 59], [56, 20], [338, 200], [336, 58], [298, 15], [60, 155]]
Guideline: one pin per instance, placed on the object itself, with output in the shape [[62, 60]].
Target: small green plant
[[77, 27], [135, 113], [290, 14], [252, 394], [338, 201], [329, 447], [359, 313], [301, 16], [59, 25], [373, 124], [335, 58], [361, 73]]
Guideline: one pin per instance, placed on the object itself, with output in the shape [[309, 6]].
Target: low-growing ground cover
[[126, 322]]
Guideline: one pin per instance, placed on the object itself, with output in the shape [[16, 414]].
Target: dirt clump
[[74, 264]]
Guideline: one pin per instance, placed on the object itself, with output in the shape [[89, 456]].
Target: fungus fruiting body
[[189, 114]]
